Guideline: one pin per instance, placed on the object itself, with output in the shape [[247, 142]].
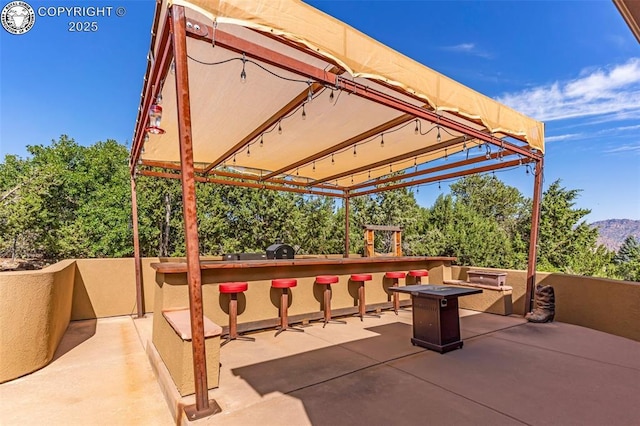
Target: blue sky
[[574, 65]]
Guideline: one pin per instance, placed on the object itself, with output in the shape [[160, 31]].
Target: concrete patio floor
[[509, 372]]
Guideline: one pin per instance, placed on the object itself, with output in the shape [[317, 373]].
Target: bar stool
[[419, 273], [233, 289], [396, 299], [285, 284], [327, 280], [361, 278]]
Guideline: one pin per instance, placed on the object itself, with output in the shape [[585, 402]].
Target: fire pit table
[[436, 324]]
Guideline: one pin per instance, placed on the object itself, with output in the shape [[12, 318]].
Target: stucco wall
[[35, 309], [607, 305], [106, 287]]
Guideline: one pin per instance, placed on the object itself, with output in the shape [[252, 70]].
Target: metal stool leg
[[396, 298], [327, 307], [233, 322], [284, 318]]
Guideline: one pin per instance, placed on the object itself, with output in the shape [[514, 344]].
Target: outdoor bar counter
[[258, 307]]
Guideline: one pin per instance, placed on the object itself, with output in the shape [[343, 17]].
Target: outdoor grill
[[274, 251], [280, 251]]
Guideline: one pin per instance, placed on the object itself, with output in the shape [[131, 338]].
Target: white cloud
[[468, 48], [563, 137], [625, 148], [603, 92]]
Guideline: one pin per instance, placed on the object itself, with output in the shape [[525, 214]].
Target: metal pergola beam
[[448, 166], [288, 108], [158, 71], [533, 237], [345, 144], [438, 178], [202, 407], [405, 156], [202, 179]]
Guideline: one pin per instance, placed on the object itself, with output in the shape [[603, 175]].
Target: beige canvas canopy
[[275, 94], [280, 124]]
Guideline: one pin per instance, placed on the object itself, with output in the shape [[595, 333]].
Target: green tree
[[566, 243], [627, 259]]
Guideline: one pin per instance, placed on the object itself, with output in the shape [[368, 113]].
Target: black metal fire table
[[436, 323]]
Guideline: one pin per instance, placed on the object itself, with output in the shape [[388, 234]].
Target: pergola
[[278, 95]]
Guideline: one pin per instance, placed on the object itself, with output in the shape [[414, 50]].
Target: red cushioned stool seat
[[396, 299], [362, 307], [237, 287], [419, 273], [233, 289], [285, 284], [327, 280]]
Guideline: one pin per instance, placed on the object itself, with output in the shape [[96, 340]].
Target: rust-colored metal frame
[[172, 46]]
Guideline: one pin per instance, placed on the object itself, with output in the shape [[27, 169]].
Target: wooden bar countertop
[[181, 267]]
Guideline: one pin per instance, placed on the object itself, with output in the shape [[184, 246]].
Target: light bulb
[[382, 141], [304, 114], [331, 96], [279, 128], [438, 138], [415, 131], [243, 76]]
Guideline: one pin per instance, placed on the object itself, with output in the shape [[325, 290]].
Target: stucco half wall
[[602, 304], [35, 309]]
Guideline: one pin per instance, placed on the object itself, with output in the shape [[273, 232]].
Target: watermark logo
[[18, 17]]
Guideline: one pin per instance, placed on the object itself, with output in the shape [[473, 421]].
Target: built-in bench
[[173, 343], [493, 299]]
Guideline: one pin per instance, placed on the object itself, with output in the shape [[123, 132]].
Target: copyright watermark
[[18, 17]]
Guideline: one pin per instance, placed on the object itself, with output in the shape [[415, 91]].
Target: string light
[[297, 171], [369, 174], [416, 131], [331, 96], [261, 140], [234, 159], [310, 93], [354, 150], [446, 157], [439, 186], [464, 143], [248, 151], [390, 169], [438, 137], [243, 74], [332, 160], [304, 114], [314, 166], [279, 128], [382, 140]]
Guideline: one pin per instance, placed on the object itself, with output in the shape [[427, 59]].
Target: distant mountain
[[614, 231]]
